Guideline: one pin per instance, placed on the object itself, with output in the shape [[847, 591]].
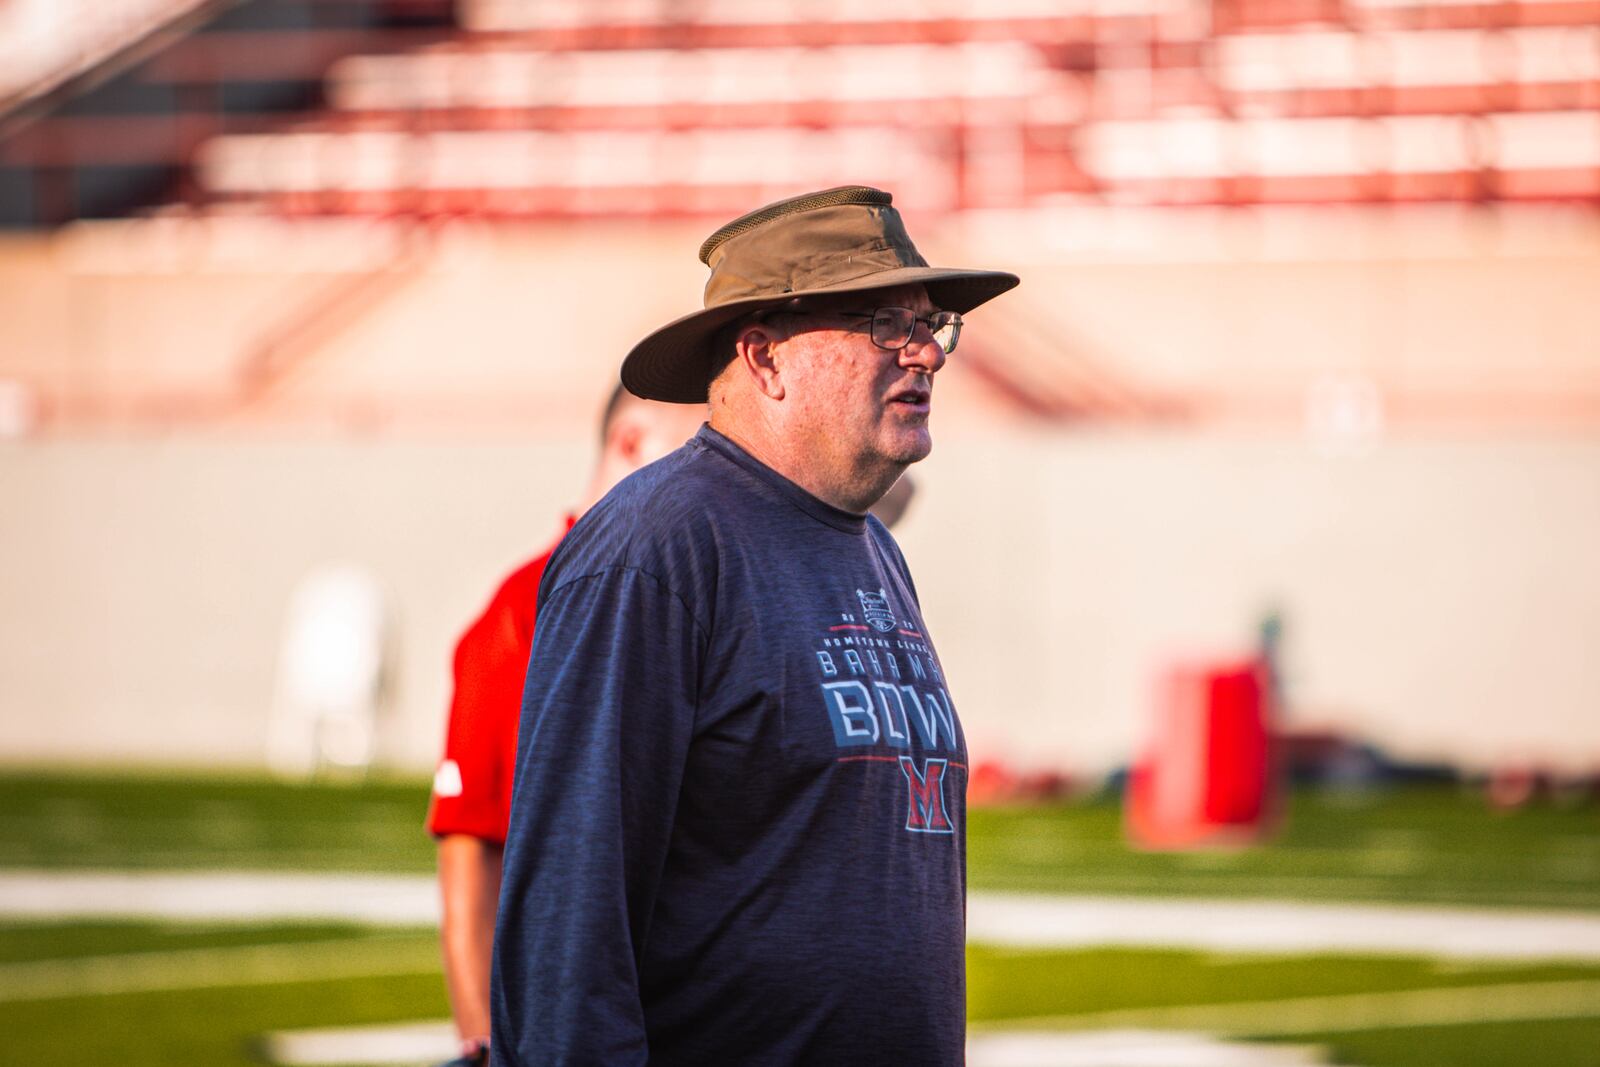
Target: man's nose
[[922, 352]]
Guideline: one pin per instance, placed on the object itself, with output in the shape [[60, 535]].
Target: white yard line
[[1023, 920]]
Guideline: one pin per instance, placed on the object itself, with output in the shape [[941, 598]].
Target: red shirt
[[472, 786]]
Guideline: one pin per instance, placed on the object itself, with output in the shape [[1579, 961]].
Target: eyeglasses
[[892, 327]]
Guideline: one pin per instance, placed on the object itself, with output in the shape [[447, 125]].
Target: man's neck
[[848, 490]]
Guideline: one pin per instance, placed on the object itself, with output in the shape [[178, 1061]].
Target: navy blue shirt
[[738, 829]]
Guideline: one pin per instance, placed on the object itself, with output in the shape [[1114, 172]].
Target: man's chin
[[910, 448]]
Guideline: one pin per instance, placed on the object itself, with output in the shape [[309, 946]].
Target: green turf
[[165, 822], [1435, 845], [214, 1027], [1136, 989], [25, 940], [224, 1001], [1552, 1043], [236, 982], [218, 1016], [1005, 984]]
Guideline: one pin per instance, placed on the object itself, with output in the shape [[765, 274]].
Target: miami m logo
[[925, 813]]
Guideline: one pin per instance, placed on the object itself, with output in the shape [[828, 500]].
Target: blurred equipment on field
[[330, 674], [1207, 777]]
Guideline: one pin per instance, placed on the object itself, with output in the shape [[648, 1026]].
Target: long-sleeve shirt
[[738, 821]]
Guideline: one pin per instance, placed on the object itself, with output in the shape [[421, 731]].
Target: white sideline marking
[[1026, 920], [349, 1046], [1129, 1048], [1402, 1008], [211, 968], [1275, 926], [417, 1043], [241, 896]]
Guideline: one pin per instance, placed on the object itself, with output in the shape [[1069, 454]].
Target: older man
[[737, 826]]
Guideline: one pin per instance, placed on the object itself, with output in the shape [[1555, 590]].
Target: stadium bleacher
[[1088, 118], [632, 107]]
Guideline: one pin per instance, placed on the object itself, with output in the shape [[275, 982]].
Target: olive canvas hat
[[843, 240]]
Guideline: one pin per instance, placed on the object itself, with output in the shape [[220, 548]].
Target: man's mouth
[[916, 399]]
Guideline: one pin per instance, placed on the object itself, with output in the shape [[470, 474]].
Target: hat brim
[[673, 364]]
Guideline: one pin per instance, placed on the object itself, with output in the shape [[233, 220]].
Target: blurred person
[[472, 787], [738, 831], [332, 668]]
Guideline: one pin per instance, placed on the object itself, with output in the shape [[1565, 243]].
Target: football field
[[221, 976]]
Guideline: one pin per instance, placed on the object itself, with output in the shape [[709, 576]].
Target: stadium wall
[[1440, 597]]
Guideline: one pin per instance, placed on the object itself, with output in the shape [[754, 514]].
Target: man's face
[[857, 405]]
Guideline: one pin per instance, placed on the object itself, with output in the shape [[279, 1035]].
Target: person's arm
[[607, 720], [469, 888], [471, 795]]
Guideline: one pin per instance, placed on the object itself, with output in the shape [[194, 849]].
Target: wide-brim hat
[[843, 240]]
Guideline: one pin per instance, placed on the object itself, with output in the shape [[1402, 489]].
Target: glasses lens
[[891, 327], [946, 327]]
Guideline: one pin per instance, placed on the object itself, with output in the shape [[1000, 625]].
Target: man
[[737, 835], [472, 788]]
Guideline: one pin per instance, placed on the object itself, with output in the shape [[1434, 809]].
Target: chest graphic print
[[886, 700]]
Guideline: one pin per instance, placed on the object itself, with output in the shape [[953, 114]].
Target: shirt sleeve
[[607, 718], [472, 785]]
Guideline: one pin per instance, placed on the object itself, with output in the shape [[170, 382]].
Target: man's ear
[[627, 437], [755, 350]]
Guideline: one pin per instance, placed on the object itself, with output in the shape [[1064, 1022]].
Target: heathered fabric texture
[[738, 824]]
